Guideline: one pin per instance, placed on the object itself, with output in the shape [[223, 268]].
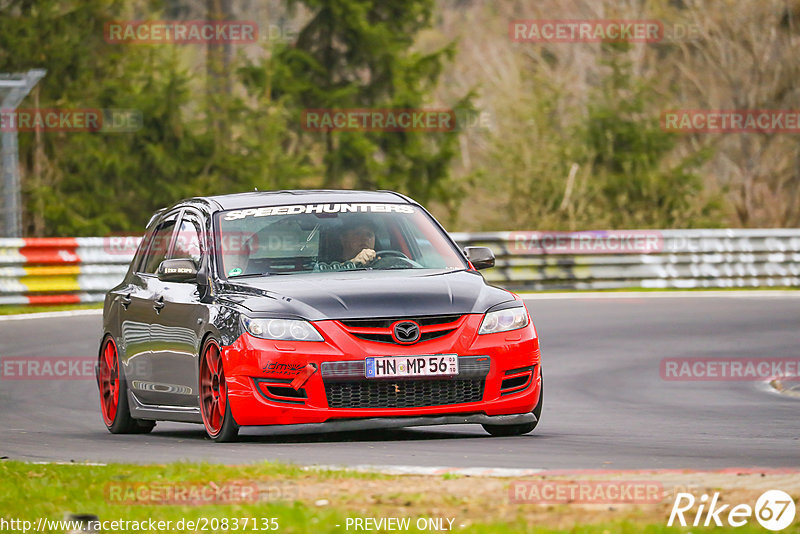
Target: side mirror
[[480, 257], [179, 270]]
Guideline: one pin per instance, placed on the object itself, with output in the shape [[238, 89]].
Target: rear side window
[[141, 250], [159, 247]]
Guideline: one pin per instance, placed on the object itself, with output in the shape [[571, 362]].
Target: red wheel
[[109, 381], [114, 394], [214, 407]]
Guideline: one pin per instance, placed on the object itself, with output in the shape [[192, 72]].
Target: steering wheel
[[392, 253], [387, 255]]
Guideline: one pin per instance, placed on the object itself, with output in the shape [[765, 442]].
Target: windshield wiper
[[249, 275], [253, 275]]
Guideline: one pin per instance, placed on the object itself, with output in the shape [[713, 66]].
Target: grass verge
[[300, 501]]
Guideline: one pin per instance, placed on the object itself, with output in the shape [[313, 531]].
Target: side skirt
[[179, 414]]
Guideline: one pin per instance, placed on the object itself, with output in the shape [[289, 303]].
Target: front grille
[[402, 393], [378, 329], [381, 338], [387, 322], [387, 338]]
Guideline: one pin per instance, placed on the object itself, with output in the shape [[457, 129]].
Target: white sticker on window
[[318, 208]]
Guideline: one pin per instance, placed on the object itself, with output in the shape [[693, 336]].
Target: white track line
[[513, 472], [51, 315], [422, 470], [660, 294]]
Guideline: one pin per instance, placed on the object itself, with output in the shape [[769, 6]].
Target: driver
[[358, 242]]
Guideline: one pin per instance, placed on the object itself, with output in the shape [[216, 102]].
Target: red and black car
[[325, 310]]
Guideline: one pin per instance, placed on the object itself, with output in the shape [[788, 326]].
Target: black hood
[[365, 294]]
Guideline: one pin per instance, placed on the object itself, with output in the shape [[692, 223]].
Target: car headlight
[[281, 329], [504, 320]]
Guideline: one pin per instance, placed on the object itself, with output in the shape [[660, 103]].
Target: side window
[[159, 246], [141, 250], [187, 245]]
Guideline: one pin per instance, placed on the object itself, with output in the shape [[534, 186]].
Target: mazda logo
[[406, 332]]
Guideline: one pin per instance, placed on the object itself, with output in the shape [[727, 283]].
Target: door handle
[[125, 301], [159, 304]]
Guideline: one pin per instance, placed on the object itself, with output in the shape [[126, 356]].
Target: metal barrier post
[[17, 86]]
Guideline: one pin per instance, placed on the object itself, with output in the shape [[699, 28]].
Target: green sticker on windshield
[[235, 272]]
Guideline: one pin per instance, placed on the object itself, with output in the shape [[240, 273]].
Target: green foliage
[[96, 183], [234, 123], [199, 137], [629, 153], [626, 174], [529, 160], [357, 54]]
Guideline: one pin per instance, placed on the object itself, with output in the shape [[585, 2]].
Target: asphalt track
[[606, 406]]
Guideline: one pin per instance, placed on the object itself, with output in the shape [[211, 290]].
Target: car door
[[137, 319], [176, 329], [132, 302]]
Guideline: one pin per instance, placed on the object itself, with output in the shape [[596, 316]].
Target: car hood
[[366, 294]]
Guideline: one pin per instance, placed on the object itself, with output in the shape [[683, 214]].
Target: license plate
[[406, 366]]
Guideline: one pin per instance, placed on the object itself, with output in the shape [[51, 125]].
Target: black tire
[[230, 430], [122, 422], [523, 428], [227, 430]]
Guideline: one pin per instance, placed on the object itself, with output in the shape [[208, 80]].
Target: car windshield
[[332, 237]]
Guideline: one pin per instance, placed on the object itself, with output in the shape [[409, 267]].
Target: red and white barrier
[[43, 271]]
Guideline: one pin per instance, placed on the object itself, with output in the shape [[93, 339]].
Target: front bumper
[[499, 375], [373, 423]]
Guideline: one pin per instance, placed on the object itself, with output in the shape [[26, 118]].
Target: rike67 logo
[[774, 510]]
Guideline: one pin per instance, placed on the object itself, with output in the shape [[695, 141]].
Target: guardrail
[[73, 270], [656, 259], [42, 271]]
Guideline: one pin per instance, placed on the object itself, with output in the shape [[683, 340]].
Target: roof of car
[[304, 196]]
